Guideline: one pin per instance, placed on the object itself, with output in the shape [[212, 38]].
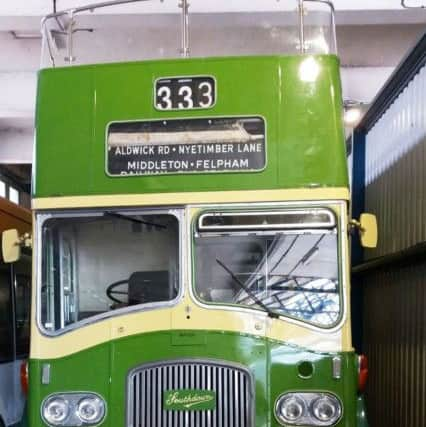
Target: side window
[[6, 323], [66, 278], [49, 315], [22, 277]]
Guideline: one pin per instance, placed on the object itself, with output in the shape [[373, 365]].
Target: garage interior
[[382, 49]]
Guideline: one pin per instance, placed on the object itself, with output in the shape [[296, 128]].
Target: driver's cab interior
[[97, 262]]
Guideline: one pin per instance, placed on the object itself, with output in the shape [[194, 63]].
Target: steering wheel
[[111, 292]]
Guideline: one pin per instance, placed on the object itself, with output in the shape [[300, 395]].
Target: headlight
[[90, 410], [290, 409], [73, 409], [56, 410], [326, 409], [308, 409]]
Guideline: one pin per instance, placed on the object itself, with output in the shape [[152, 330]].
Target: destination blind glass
[[234, 144]]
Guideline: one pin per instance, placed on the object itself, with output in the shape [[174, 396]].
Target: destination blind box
[[198, 145]]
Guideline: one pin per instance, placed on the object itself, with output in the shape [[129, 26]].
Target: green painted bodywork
[[305, 140], [104, 368], [305, 148]]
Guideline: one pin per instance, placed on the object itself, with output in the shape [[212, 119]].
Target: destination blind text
[[180, 158]]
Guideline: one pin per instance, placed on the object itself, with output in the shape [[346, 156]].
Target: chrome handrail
[[183, 4], [301, 10], [333, 17], [91, 7]]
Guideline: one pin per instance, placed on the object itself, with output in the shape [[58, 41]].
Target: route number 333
[[185, 93]]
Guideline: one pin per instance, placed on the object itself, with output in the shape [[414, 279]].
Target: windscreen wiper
[[135, 220], [271, 314]]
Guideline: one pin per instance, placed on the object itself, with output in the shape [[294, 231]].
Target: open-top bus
[[15, 288], [191, 235]]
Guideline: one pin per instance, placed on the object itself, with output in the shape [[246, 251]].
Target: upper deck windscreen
[[142, 29]]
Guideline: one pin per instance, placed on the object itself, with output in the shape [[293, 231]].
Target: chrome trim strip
[[337, 367], [45, 374]]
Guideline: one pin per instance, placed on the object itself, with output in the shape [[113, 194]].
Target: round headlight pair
[[73, 409], [310, 409]]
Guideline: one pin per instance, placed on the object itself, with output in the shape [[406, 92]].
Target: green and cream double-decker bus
[[191, 262]]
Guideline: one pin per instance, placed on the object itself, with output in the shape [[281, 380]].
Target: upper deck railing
[[82, 36]]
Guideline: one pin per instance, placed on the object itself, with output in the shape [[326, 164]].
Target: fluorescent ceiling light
[[352, 115], [413, 4]]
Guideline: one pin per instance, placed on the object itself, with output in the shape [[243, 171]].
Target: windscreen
[[293, 272], [141, 30], [97, 263]]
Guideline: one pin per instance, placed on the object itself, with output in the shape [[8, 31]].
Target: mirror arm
[[25, 241], [355, 224]]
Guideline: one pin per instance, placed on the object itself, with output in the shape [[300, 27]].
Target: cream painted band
[[168, 199], [43, 347]]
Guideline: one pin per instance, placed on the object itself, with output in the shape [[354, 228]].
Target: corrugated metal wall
[[395, 175], [393, 280], [395, 344]]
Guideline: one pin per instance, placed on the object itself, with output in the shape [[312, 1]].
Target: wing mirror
[[367, 227], [12, 243]]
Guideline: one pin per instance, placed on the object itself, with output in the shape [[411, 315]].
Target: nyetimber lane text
[[195, 149]]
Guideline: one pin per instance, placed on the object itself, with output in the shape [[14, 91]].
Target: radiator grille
[[232, 384]]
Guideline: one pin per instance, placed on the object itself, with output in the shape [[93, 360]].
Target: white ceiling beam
[[25, 15], [42, 7], [385, 17]]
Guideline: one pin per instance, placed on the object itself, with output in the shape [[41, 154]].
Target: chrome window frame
[[42, 216], [342, 256]]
